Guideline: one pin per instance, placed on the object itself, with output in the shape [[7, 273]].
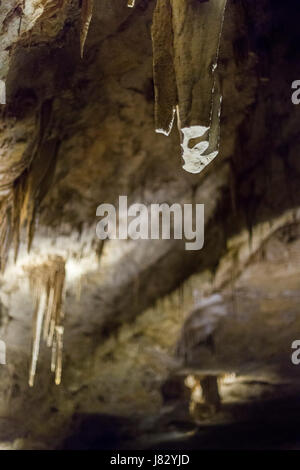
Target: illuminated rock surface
[[78, 132]]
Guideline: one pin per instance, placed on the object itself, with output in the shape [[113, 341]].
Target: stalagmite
[[186, 41], [47, 284]]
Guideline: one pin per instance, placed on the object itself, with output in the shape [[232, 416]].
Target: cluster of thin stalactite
[[25, 185], [47, 286]]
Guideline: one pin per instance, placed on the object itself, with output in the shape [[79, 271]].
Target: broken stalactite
[[186, 40]]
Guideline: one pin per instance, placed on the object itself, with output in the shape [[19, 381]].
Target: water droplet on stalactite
[[47, 285], [86, 17], [2, 92], [186, 41]]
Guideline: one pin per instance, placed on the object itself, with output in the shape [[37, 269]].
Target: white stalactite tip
[[167, 132], [131, 3], [2, 92], [2, 353], [194, 158]]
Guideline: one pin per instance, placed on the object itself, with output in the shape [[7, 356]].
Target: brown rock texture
[[76, 132]]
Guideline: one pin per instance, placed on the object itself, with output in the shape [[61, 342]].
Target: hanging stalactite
[[86, 17], [14, 214], [186, 40], [164, 72], [47, 285], [2, 92]]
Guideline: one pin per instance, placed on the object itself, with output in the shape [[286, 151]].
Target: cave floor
[[263, 424]]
